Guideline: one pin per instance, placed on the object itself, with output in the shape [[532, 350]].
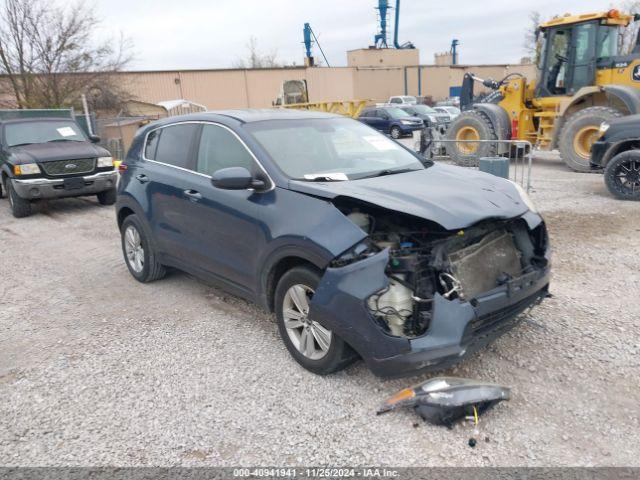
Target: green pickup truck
[[46, 154]]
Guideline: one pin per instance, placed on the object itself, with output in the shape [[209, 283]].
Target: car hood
[[48, 152], [453, 197]]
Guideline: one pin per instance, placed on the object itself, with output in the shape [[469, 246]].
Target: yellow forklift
[[582, 82]]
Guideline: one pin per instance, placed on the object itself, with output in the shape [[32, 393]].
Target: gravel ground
[[97, 369]]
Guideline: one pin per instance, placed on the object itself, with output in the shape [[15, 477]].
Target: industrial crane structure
[[380, 39]]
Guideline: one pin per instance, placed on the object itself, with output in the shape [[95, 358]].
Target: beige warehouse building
[[370, 74]]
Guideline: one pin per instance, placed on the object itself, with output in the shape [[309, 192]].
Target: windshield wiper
[[384, 173], [62, 140], [326, 177]]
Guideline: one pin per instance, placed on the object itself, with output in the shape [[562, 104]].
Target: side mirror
[[94, 138], [235, 178]]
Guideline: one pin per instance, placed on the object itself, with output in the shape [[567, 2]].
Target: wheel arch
[[278, 266], [620, 147]]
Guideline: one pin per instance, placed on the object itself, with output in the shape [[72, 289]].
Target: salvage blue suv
[[392, 120], [361, 248]]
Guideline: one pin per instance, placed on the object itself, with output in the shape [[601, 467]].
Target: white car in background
[[450, 110], [402, 100]]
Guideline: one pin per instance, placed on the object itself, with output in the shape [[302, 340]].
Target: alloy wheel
[[627, 176], [133, 249], [308, 337]]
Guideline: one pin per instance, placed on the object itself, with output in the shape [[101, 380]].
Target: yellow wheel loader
[[582, 82]]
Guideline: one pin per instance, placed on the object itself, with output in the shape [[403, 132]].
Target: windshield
[[330, 149], [454, 110], [23, 133], [396, 113], [424, 110]]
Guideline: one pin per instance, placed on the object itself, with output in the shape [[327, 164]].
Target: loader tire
[[470, 125], [579, 132]]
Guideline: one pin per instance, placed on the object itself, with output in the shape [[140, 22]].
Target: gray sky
[[168, 34]]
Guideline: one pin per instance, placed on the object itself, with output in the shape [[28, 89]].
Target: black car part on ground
[[446, 400]]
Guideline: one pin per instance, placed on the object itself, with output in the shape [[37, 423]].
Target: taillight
[[122, 167]]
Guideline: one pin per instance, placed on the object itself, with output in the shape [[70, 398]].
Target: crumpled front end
[[414, 297]]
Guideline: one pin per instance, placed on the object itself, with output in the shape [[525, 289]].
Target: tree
[[49, 55], [257, 59], [628, 34], [530, 37]]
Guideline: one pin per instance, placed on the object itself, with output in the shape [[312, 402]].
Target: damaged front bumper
[[456, 330]]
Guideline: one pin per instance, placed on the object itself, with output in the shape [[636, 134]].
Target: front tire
[[20, 207], [578, 134], [314, 347], [622, 175], [108, 197], [395, 133], [469, 126], [139, 255]]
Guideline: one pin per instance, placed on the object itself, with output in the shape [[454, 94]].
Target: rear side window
[[219, 148], [152, 144], [174, 144]]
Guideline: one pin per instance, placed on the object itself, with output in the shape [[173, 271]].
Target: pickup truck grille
[[69, 167]]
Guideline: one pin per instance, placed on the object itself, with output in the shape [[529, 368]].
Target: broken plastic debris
[[445, 400]]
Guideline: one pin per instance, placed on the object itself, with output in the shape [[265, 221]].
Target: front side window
[[174, 144], [45, 131], [219, 148], [339, 147]]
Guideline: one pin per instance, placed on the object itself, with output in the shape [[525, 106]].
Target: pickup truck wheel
[[313, 346], [108, 197], [395, 132], [139, 255], [20, 207], [622, 175]]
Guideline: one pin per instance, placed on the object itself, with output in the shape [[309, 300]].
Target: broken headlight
[[358, 252], [444, 400]]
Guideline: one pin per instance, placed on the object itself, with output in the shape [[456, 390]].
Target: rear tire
[[622, 175], [20, 207], [337, 356], [579, 132], [471, 125], [139, 255], [108, 197]]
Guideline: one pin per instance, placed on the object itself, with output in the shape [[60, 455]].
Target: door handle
[[142, 178], [193, 195]]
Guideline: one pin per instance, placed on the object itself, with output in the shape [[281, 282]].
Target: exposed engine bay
[[425, 259]]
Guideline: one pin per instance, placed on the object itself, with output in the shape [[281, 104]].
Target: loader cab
[[569, 55]]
